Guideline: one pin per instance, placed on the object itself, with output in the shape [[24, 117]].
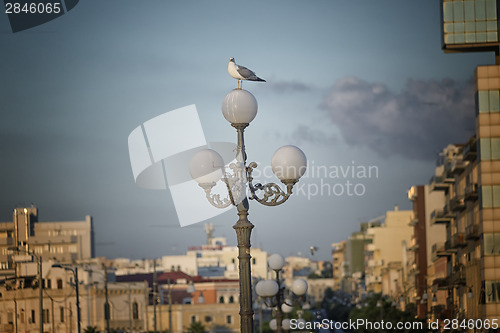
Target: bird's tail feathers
[[255, 78]]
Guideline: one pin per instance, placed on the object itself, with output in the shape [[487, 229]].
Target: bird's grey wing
[[245, 72]]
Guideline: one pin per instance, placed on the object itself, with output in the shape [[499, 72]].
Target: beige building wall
[[216, 318]]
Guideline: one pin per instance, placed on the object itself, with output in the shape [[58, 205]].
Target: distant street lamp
[[207, 168], [40, 280], [75, 275], [272, 292]]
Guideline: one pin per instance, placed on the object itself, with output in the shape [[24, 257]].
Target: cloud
[[283, 87], [305, 134], [417, 122]]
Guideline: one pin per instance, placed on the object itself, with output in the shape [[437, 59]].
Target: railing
[[458, 240], [458, 275], [440, 216], [471, 192], [440, 183], [457, 203], [472, 231]]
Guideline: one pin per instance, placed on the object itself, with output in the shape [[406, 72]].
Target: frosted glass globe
[[239, 107], [273, 325], [285, 324], [286, 308], [289, 163], [299, 287], [276, 262], [267, 288], [206, 166]]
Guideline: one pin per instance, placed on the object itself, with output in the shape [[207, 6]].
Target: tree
[[90, 329], [196, 327]]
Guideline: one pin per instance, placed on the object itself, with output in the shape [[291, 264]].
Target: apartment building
[[472, 233], [64, 242], [426, 238], [386, 248]]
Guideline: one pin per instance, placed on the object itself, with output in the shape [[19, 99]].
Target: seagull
[[241, 73]]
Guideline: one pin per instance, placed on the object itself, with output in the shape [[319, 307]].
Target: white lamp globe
[[286, 308], [206, 166], [268, 288], [276, 262], [299, 287], [239, 107], [285, 324], [273, 325], [259, 286], [289, 163]]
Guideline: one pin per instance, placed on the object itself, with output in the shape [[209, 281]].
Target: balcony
[[457, 203], [471, 192], [470, 150], [413, 244], [439, 183], [458, 240], [439, 251], [441, 216], [448, 246], [457, 166], [414, 269], [458, 275], [413, 221], [441, 283], [472, 232]]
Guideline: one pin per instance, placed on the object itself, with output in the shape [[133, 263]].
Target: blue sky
[[360, 83]]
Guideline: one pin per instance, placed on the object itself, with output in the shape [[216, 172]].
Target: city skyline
[[352, 85]]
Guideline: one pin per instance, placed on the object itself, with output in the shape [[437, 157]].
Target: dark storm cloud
[[417, 122]]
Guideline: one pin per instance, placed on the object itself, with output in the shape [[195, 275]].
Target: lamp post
[[272, 292], [75, 275], [207, 168], [40, 280]]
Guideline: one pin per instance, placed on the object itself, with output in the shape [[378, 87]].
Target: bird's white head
[[231, 59]]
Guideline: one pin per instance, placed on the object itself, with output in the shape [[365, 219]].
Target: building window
[[45, 316], [33, 316], [59, 284], [492, 291], [491, 243], [61, 314], [229, 319], [135, 311], [221, 299], [254, 261], [231, 299], [193, 319], [208, 319], [23, 316]]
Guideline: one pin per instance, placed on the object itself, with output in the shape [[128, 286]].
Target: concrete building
[[386, 246], [474, 265], [338, 264], [427, 235], [20, 307], [64, 242]]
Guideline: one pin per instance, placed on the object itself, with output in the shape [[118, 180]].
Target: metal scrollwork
[[273, 195]]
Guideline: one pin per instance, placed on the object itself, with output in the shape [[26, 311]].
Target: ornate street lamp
[[273, 293], [207, 168]]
